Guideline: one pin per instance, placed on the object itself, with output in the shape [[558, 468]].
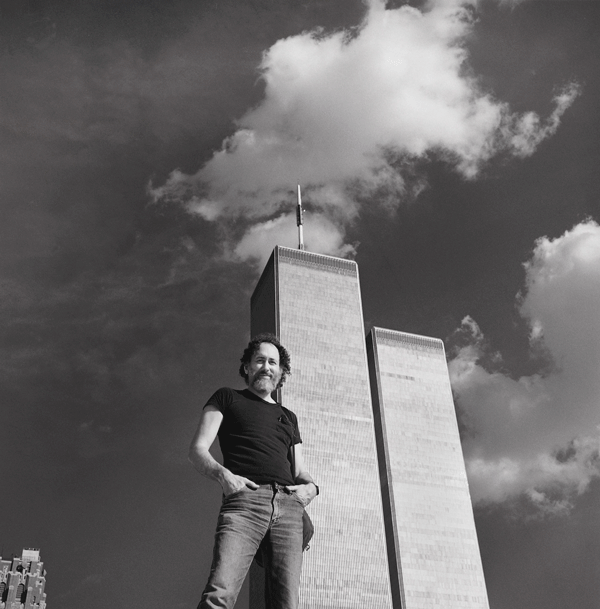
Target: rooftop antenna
[[299, 221]]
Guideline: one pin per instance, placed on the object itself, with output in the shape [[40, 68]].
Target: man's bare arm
[[305, 487], [205, 463]]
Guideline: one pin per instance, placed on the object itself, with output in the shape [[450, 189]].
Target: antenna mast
[[300, 221]]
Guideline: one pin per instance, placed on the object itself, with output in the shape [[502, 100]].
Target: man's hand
[[232, 483], [305, 492]]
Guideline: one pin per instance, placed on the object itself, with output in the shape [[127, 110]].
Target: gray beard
[[263, 383]]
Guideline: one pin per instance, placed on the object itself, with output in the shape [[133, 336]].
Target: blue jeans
[[246, 518]]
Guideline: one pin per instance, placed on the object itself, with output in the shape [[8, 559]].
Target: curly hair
[[252, 348]]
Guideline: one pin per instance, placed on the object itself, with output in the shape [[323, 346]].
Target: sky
[[149, 154]]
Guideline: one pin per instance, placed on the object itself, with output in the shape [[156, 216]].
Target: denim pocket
[[234, 494], [300, 501]]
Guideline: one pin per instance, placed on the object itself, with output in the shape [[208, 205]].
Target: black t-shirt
[[255, 436]]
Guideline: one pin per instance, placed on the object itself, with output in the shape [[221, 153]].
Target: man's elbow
[[304, 477], [194, 455]]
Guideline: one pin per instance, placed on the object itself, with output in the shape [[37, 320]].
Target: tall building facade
[[432, 542], [22, 581], [313, 304]]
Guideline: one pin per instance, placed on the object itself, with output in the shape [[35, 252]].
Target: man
[[263, 499]]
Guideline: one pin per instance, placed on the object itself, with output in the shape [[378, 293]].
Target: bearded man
[[263, 499]]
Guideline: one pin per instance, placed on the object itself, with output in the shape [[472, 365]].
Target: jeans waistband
[[275, 486]]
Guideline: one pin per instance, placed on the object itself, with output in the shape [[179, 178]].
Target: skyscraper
[[22, 582], [432, 543], [313, 303], [386, 453]]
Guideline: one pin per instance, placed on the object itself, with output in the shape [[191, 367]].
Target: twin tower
[[394, 522]]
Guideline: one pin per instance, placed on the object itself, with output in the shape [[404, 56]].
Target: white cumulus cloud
[[347, 113], [539, 435], [322, 236]]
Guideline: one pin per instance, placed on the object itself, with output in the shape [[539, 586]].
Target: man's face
[[263, 371]]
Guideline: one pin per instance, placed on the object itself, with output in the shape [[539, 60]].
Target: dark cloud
[[548, 563]]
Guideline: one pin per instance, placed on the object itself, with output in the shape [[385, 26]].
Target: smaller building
[[22, 581]]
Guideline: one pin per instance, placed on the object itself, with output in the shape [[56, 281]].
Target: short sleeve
[[297, 436], [297, 439], [220, 399]]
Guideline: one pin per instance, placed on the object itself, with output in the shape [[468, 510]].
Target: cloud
[[350, 113], [539, 435], [322, 236], [524, 133]]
